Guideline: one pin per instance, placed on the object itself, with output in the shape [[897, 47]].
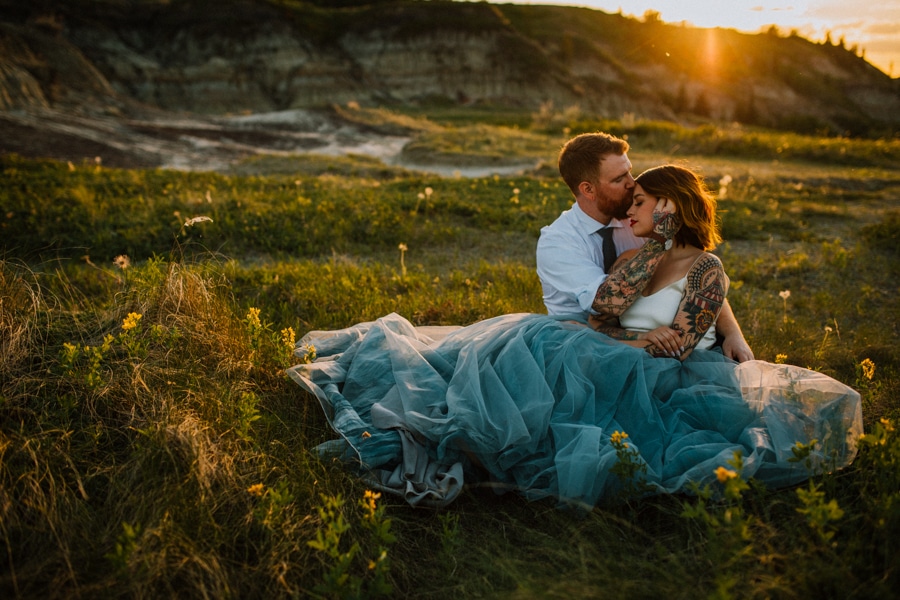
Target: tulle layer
[[531, 402]]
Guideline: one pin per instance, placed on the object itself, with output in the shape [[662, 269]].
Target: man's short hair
[[580, 157]]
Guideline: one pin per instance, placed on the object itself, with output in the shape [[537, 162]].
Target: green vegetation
[[151, 445]]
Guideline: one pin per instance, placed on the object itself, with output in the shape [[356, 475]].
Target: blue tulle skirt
[[530, 403]]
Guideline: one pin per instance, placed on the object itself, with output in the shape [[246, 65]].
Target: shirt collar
[[588, 224]]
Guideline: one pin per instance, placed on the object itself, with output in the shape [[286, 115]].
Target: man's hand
[[737, 348]]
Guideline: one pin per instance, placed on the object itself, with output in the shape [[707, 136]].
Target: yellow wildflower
[[289, 338], [257, 489], [618, 436], [780, 359], [253, 317], [868, 368], [131, 321], [723, 474], [368, 504]]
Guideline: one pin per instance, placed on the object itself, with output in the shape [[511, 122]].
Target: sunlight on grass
[[151, 445]]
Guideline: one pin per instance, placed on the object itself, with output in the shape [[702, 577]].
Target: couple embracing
[[639, 341]]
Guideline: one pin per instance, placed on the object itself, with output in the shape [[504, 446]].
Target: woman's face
[[641, 212]]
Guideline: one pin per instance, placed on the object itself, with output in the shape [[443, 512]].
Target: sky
[[871, 25]]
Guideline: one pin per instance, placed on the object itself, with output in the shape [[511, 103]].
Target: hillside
[[117, 60]]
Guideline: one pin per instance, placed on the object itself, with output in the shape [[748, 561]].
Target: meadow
[[152, 446]]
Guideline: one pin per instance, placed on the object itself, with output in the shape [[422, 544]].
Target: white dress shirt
[[570, 260]]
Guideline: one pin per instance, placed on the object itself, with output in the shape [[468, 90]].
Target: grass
[[167, 454]]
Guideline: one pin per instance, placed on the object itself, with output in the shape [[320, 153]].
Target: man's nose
[[629, 183]]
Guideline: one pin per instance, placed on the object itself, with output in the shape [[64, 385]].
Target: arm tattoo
[[609, 325], [621, 287], [703, 298]]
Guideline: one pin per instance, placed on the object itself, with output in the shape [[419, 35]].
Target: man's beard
[[621, 212]]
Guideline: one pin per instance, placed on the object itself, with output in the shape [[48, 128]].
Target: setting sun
[[872, 27]]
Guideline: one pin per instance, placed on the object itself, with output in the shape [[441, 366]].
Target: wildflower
[[785, 294], [828, 329], [725, 180], [253, 317], [309, 353], [888, 424], [193, 220], [420, 196], [256, 489], [289, 338], [780, 359], [723, 474], [403, 249], [368, 504], [122, 261], [516, 191], [868, 368], [131, 321], [618, 437], [428, 192]]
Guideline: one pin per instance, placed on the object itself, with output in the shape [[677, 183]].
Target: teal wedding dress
[[530, 402]]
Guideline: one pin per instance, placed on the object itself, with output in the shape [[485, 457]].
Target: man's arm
[[734, 345], [621, 287]]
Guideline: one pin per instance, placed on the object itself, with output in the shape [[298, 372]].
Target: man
[[570, 255]]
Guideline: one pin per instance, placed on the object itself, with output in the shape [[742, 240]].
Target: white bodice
[[658, 310]]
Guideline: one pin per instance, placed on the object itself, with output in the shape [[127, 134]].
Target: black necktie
[[609, 248]]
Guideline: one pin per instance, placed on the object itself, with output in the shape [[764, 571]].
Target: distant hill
[[234, 56]]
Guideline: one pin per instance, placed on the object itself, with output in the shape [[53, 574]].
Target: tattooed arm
[[701, 304], [627, 280], [704, 296]]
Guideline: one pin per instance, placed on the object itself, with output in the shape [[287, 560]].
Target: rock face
[[252, 56]]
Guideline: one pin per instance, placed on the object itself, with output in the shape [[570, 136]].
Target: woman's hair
[[580, 157], [695, 204]]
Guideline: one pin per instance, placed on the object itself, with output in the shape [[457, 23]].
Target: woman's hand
[[666, 221], [665, 205], [668, 340]]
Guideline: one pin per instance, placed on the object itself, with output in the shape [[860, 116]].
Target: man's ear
[[586, 188]]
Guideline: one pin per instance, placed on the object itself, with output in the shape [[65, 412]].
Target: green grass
[[169, 455]]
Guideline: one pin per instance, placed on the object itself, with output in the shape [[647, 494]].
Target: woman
[[540, 404], [677, 310]]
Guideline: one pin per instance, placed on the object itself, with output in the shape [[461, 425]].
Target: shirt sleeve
[[568, 274]]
